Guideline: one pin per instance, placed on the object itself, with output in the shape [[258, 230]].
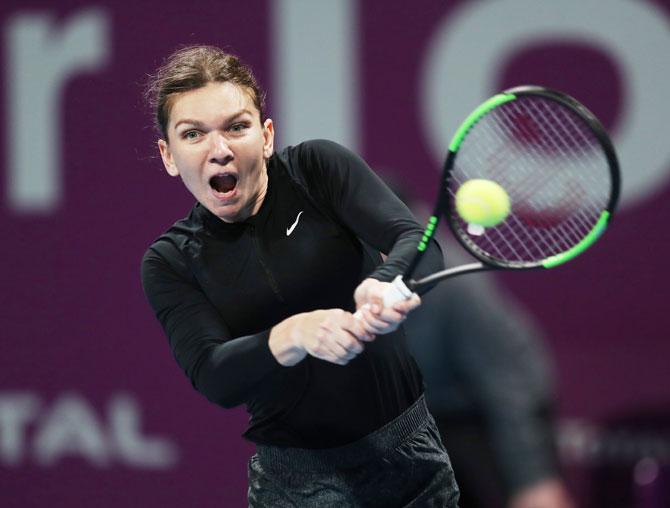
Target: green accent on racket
[[428, 233], [586, 242], [484, 108], [557, 165]]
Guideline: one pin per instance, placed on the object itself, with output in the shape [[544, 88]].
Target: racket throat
[[449, 272]]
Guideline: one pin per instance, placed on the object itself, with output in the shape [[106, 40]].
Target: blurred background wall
[[93, 409]]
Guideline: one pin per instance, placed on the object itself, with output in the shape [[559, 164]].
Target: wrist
[[284, 343]]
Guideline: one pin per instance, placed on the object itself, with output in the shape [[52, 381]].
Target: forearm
[[228, 373], [342, 180], [401, 255]]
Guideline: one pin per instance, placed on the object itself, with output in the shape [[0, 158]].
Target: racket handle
[[396, 292]]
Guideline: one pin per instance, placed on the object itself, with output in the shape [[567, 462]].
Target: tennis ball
[[482, 202]]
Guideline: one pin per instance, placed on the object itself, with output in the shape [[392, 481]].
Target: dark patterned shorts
[[404, 464]]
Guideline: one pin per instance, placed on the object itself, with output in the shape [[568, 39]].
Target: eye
[[239, 127], [190, 135]]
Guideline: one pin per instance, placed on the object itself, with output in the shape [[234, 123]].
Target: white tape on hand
[[396, 292]]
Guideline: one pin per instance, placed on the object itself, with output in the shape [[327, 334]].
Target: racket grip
[[396, 292]]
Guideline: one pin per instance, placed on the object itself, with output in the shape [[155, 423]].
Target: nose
[[219, 151]]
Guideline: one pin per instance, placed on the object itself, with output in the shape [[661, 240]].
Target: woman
[[254, 290]]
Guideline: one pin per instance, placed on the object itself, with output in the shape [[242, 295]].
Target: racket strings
[[550, 135], [578, 137], [554, 169]]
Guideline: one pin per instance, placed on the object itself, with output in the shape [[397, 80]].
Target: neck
[[262, 192]]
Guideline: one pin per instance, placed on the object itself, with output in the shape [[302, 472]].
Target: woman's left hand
[[376, 318]]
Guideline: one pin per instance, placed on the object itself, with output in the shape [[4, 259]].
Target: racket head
[[556, 162]]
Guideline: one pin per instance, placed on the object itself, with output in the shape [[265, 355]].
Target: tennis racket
[[557, 164]]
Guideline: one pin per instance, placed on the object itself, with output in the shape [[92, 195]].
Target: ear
[[268, 138], [168, 160]]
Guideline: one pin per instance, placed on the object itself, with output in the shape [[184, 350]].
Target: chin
[[227, 214]]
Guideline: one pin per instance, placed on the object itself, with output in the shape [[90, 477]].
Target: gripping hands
[[338, 336], [334, 335], [383, 306]]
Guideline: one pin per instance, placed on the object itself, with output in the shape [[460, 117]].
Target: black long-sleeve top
[[218, 288]]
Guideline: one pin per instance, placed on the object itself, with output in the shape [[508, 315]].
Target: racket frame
[[444, 204]]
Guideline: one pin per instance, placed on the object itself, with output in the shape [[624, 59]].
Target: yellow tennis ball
[[482, 202]]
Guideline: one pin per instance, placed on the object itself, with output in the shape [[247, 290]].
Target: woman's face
[[218, 146]]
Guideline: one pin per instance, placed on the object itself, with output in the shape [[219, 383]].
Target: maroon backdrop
[[93, 409]]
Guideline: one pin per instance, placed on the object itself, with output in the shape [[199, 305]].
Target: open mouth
[[223, 182]]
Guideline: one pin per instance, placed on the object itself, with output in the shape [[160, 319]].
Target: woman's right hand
[[333, 335]]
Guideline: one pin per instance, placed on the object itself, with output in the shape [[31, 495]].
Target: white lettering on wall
[[315, 82], [72, 427], [134, 448], [41, 57], [16, 411]]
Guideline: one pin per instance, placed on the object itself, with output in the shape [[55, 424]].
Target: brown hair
[[193, 67]]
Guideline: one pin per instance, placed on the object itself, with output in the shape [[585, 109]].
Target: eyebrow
[[198, 124]]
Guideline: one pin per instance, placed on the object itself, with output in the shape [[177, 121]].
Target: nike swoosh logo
[[290, 230]]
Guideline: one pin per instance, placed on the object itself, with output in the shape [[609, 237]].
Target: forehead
[[211, 102]]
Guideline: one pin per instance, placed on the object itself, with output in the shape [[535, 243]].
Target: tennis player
[[256, 287]]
